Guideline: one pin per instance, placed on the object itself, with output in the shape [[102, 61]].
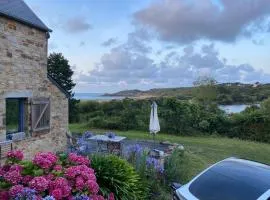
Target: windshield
[[231, 180]]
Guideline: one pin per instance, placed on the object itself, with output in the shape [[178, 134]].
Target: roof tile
[[18, 10]]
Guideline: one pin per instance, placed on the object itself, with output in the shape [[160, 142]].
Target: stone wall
[[23, 73]]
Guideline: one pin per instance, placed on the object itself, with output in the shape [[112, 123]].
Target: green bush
[[118, 176], [204, 125], [177, 167], [179, 117]]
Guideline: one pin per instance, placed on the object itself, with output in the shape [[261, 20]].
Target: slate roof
[[19, 11], [58, 85]]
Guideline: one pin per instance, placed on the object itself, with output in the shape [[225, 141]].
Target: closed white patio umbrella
[[154, 127]]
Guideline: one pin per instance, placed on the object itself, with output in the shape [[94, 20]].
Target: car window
[[212, 186]]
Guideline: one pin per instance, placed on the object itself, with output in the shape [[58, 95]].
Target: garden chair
[[18, 136], [114, 148], [102, 146], [72, 145]]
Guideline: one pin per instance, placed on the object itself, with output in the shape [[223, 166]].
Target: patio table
[[107, 144]]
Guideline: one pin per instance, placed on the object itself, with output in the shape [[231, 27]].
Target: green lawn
[[202, 151]]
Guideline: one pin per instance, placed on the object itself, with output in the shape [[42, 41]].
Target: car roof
[[232, 177]]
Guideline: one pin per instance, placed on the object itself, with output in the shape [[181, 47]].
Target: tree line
[[178, 117]]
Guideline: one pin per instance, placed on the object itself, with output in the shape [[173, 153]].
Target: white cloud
[[184, 21]]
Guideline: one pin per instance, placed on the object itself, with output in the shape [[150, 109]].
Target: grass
[[202, 151]]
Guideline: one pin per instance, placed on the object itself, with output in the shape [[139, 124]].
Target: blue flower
[[48, 198], [154, 163], [26, 193], [81, 197], [135, 149]]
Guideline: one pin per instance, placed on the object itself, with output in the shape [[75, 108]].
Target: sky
[[115, 45]]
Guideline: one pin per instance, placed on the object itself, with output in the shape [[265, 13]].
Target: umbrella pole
[[154, 140]]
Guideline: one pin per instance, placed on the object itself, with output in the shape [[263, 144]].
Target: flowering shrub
[[78, 160], [49, 177], [154, 164], [118, 176], [45, 160], [17, 155]]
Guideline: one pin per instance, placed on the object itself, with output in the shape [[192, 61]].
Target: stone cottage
[[27, 93]]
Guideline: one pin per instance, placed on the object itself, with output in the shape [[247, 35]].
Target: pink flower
[[15, 154], [49, 177], [45, 160], [92, 186], [26, 179], [39, 183], [2, 171], [57, 194], [57, 168], [82, 177], [16, 168], [97, 197], [62, 184], [4, 195], [73, 171], [78, 160], [13, 176], [88, 175], [111, 196], [79, 183], [14, 190]]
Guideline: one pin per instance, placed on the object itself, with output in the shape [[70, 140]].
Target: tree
[[205, 90], [60, 70]]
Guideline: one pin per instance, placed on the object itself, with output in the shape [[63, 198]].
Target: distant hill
[[228, 93]]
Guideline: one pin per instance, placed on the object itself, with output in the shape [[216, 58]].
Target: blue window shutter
[[21, 115]]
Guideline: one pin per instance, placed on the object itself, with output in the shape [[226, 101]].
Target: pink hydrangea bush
[[78, 160], [45, 160], [48, 176]]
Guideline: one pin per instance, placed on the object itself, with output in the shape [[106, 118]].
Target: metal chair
[[102, 146], [72, 145], [18, 136], [114, 148]]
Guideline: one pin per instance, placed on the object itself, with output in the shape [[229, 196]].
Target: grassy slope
[[202, 151]]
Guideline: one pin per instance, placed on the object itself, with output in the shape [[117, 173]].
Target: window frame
[[21, 113]]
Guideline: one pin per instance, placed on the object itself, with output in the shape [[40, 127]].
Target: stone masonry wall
[[23, 69]]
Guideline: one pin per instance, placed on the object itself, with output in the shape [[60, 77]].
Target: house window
[[16, 115], [40, 114]]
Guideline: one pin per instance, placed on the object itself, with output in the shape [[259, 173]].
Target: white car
[[230, 179]]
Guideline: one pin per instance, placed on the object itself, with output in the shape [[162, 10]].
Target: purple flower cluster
[[28, 194], [14, 190], [135, 149], [154, 163], [48, 198], [81, 197]]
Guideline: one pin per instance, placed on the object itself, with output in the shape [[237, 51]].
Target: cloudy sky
[[141, 44]]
